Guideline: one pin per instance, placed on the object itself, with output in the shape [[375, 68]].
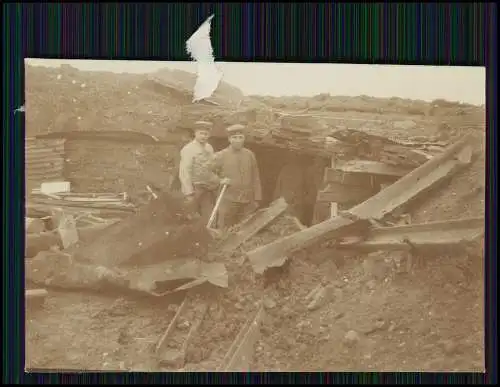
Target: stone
[[319, 299], [269, 303], [380, 324], [372, 284], [313, 292], [184, 325], [172, 358], [351, 338]]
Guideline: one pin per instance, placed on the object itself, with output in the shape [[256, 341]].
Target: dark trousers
[[204, 201], [231, 213]]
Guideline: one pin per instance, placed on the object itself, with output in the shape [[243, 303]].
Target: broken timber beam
[[171, 326], [254, 224], [239, 355], [370, 167], [424, 235], [340, 193], [394, 196]]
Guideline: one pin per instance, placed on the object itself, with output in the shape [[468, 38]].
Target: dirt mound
[[365, 104], [164, 229], [66, 99]]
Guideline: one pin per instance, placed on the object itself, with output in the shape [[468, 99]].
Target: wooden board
[[254, 224], [426, 235], [370, 167], [341, 193]]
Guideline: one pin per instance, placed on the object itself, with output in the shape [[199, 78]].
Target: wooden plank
[[36, 294], [254, 224], [333, 175], [171, 326], [98, 206], [398, 194], [340, 193], [371, 167], [425, 235], [240, 353]]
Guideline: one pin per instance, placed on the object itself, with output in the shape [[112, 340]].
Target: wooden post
[[333, 206]]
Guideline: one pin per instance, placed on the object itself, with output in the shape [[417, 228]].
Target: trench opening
[[291, 174]]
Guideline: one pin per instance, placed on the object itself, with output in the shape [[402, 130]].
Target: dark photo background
[[432, 34]]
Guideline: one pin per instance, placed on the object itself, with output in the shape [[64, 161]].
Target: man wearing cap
[[198, 181], [237, 167]]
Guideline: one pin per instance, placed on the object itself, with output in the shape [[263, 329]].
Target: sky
[[453, 83]]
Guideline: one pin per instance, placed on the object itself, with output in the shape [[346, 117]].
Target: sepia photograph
[[253, 216]]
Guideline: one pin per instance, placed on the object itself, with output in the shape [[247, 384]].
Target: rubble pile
[[369, 305]]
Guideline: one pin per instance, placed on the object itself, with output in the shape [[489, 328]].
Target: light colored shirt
[[241, 168], [196, 167]]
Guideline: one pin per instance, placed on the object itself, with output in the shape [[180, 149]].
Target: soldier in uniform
[[237, 167], [198, 181]]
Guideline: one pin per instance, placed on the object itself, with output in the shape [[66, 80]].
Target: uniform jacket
[[196, 167], [241, 168]]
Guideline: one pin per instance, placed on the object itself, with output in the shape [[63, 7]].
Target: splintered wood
[[172, 347], [378, 206], [426, 235], [253, 224]]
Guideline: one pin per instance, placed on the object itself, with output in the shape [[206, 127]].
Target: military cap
[[236, 128], [202, 125]]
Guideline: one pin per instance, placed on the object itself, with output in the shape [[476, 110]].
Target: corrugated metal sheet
[[44, 161]]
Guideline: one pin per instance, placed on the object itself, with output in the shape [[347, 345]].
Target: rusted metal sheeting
[[424, 235], [44, 160]]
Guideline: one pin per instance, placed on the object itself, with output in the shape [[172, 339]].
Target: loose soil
[[428, 319]]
